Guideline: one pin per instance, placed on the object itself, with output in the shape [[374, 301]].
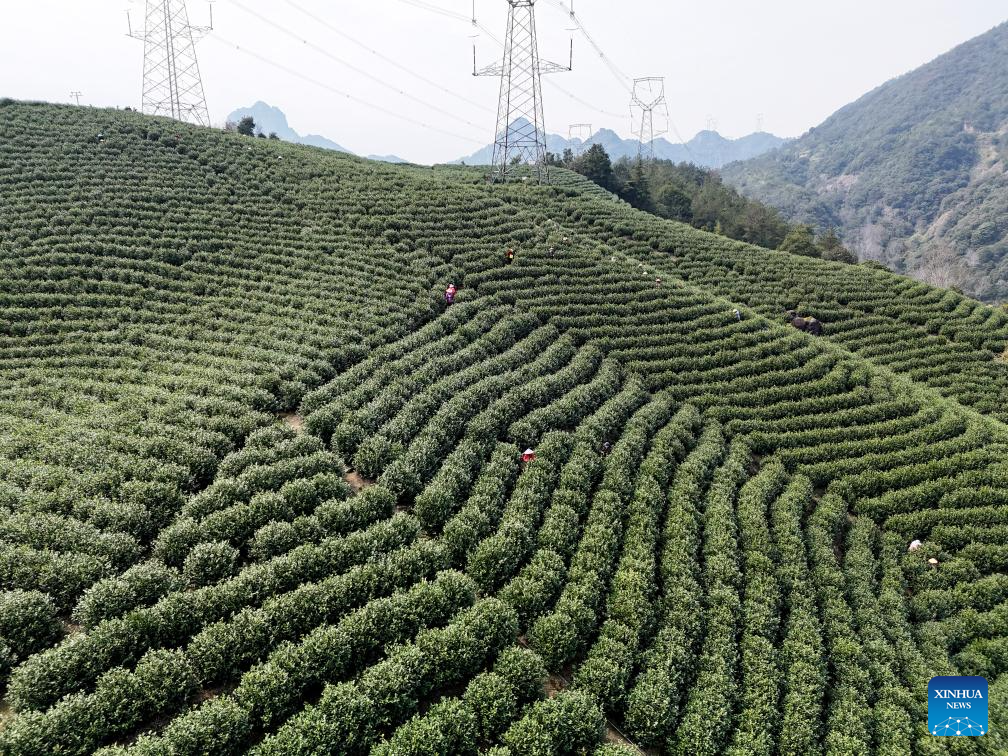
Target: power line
[[683, 142], [421, 4], [386, 58], [500, 43], [621, 77], [292, 72], [437, 9], [585, 103], [351, 66]]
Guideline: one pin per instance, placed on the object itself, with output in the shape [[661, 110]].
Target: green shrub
[[140, 585], [273, 539], [28, 623], [492, 701], [569, 724], [209, 563]]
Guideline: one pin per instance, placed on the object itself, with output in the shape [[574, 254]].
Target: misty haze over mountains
[[708, 148], [271, 119]]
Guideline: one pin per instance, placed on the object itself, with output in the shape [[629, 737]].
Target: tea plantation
[[262, 491]]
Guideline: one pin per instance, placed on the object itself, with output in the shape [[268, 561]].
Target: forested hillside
[[914, 172], [263, 490], [690, 194]]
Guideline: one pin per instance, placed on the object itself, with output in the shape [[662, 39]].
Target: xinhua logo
[[957, 706]]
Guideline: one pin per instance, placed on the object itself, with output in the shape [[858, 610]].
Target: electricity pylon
[[718, 155], [648, 98], [582, 132], [172, 85], [521, 134]]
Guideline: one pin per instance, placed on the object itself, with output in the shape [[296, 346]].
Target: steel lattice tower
[[648, 97], [582, 132], [172, 85], [521, 136]]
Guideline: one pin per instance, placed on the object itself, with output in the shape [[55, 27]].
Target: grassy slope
[[169, 289]]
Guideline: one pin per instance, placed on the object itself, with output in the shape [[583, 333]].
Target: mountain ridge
[[269, 118], [707, 149], [914, 173]]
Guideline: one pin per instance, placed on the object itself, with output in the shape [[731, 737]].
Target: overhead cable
[[405, 69], [352, 67], [293, 72]]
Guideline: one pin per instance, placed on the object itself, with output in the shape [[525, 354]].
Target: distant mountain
[[914, 174], [269, 119], [387, 159], [314, 140], [707, 149]]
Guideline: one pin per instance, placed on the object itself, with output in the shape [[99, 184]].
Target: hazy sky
[[793, 61]]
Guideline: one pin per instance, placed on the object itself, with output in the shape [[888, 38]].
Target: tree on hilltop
[[247, 126], [595, 164]]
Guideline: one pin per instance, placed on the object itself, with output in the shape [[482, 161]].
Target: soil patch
[[554, 684], [293, 420], [614, 737], [71, 628], [356, 481], [207, 694]]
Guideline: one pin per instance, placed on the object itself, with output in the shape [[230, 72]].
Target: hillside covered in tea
[[262, 490]]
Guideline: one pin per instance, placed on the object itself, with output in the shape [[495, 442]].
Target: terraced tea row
[[933, 336]]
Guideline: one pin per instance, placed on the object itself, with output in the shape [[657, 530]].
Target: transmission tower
[[648, 100], [582, 132], [172, 85], [76, 95], [521, 134], [718, 154]]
